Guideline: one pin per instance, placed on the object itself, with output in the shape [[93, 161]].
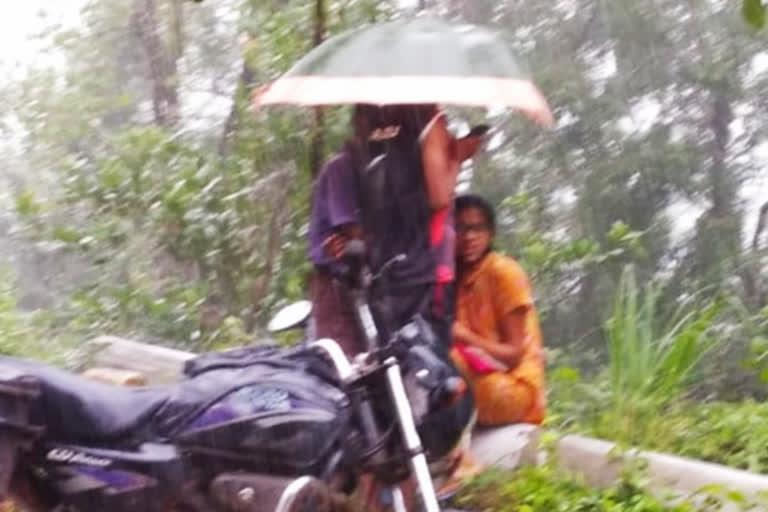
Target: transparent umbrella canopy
[[411, 61]]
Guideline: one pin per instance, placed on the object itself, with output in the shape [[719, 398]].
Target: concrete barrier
[[507, 447], [600, 463], [155, 364]]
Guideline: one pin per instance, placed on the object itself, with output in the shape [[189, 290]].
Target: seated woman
[[497, 340]]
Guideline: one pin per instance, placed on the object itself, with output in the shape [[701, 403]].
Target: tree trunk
[[318, 140], [724, 218], [755, 281], [162, 65], [762, 221], [721, 190]]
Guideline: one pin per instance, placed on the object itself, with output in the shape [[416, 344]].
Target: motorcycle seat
[[74, 409]]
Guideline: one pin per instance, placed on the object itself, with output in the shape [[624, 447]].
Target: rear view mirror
[[291, 316]]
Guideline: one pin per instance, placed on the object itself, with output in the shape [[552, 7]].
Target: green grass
[[544, 489]]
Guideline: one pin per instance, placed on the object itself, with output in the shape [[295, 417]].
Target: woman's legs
[[503, 398]]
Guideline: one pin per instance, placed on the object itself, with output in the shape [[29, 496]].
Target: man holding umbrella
[[430, 169]]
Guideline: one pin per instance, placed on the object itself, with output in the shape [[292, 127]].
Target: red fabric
[[474, 361], [437, 227]]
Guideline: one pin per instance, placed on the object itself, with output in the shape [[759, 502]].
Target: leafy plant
[[755, 327], [754, 12], [651, 361]]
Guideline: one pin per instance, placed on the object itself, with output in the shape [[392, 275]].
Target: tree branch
[[274, 243], [242, 90]]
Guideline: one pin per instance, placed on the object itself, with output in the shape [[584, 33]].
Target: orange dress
[[491, 290]]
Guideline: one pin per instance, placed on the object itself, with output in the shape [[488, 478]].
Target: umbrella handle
[[478, 131]]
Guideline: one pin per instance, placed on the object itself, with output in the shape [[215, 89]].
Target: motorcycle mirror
[[291, 316]]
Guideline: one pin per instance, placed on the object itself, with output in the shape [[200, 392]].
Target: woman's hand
[[510, 350], [462, 333]]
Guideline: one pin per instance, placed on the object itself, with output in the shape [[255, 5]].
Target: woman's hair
[[409, 120], [465, 201]]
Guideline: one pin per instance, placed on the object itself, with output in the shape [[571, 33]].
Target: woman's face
[[473, 235]]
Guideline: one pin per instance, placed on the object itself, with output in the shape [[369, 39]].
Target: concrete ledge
[[600, 463], [506, 447], [594, 459], [159, 365], [115, 376]]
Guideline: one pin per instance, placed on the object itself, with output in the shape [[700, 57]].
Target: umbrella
[[411, 61]]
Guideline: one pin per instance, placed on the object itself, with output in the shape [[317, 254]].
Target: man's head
[[475, 227], [370, 119], [374, 122]]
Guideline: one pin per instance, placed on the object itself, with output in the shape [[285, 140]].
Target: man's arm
[[442, 155], [440, 169]]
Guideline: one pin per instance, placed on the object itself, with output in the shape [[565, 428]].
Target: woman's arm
[[513, 341]]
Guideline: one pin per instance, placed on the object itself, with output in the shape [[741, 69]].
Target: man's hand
[[334, 245]]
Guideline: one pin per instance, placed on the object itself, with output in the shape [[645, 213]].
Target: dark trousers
[[395, 306], [334, 314]]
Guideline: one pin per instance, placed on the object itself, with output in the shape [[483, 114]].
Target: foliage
[[756, 327], [754, 12], [639, 399], [644, 397], [565, 198], [24, 334], [647, 107], [733, 434], [543, 489], [192, 221], [14, 328], [195, 230]]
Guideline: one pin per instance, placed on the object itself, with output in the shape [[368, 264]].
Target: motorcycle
[[257, 428]]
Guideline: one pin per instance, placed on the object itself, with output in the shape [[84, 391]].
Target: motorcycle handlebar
[[354, 249]]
